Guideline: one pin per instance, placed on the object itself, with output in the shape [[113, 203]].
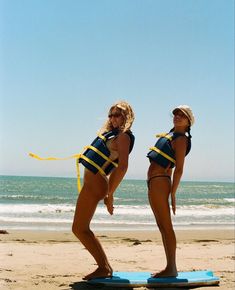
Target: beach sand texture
[[55, 260]]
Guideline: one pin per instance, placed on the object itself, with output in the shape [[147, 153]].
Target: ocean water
[[45, 203]]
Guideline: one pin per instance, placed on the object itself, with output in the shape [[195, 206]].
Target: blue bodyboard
[[144, 279]]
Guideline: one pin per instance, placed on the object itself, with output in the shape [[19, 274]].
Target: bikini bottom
[[156, 176]]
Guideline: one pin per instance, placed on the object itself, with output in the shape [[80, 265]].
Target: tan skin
[[96, 188], [161, 188]]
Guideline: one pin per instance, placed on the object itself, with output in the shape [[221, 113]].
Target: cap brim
[[184, 112]]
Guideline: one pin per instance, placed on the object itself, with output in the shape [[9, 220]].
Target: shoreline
[[55, 260], [119, 228], [181, 234]]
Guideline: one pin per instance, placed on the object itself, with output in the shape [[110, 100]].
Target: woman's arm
[[123, 145], [180, 147]]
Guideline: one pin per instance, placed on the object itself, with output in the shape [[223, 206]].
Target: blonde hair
[[127, 114]]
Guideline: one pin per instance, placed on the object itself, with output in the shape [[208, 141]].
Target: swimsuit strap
[[157, 176]]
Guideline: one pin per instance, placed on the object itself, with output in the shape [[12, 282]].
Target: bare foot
[[166, 273], [99, 273]]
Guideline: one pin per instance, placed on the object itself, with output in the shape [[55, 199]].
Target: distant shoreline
[[127, 179]]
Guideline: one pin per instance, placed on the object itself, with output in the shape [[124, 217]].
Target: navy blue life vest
[[97, 154], [162, 153]]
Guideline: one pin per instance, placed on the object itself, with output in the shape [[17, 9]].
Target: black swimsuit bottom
[[156, 176]]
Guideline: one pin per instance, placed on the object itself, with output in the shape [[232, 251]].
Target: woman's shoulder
[[181, 143], [124, 137]]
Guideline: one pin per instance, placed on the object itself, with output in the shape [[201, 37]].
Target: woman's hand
[[173, 202], [108, 201]]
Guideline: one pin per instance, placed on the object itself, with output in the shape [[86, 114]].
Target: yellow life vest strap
[[76, 156], [165, 135], [53, 158], [101, 154], [79, 187], [101, 171], [102, 137], [93, 163], [163, 154]]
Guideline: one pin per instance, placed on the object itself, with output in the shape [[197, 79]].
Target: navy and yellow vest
[[97, 154], [162, 153]]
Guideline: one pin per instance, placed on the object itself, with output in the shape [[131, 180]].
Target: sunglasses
[[115, 115]]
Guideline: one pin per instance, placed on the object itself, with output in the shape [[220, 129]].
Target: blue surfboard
[[144, 279]]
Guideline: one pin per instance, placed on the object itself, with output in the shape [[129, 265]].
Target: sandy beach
[[55, 260]]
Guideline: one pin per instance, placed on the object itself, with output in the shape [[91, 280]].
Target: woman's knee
[[164, 223], [166, 228], [74, 229], [79, 231]]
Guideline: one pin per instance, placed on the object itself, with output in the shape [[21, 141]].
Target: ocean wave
[[35, 208], [30, 220], [181, 210], [29, 197], [131, 223], [120, 210], [232, 200]]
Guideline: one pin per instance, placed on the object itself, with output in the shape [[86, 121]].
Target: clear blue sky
[[64, 63]]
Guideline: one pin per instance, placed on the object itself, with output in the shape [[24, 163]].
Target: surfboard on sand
[[144, 279]]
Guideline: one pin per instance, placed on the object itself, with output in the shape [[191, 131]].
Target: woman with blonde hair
[[106, 163]]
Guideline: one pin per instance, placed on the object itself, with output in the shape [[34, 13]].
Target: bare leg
[[85, 209], [158, 198]]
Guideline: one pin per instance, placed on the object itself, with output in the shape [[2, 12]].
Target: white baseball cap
[[187, 112]]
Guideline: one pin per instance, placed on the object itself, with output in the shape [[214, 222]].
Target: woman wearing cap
[[106, 162], [169, 152]]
